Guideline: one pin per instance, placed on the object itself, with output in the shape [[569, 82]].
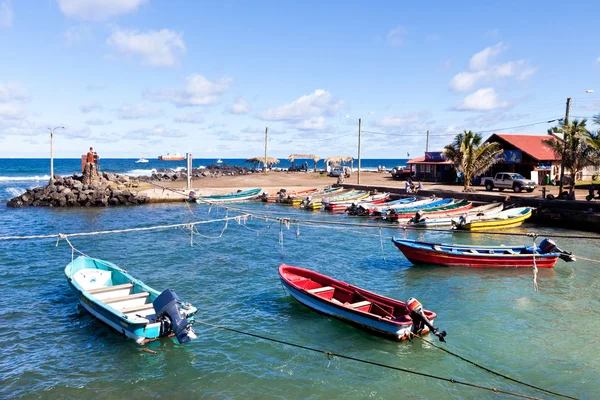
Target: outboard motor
[[415, 309], [168, 312], [549, 246]]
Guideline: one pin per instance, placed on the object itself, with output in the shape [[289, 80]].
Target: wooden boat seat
[[320, 289], [325, 292], [110, 288], [128, 297], [361, 306], [142, 307]]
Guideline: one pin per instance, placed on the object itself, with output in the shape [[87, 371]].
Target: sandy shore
[[292, 181]]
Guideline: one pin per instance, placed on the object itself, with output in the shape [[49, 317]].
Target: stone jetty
[[92, 189], [212, 171]]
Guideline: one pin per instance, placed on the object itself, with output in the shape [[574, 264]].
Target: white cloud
[[13, 91], [395, 37], [240, 106], [482, 100], [97, 10], [481, 59], [6, 14], [414, 120], [138, 111], [198, 91], [155, 48], [311, 105], [12, 111], [78, 34], [311, 124], [89, 107], [189, 118], [98, 122], [464, 81], [482, 69], [157, 131]]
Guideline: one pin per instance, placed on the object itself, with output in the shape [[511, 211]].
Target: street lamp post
[[52, 151]]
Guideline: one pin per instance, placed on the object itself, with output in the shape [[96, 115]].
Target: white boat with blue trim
[[128, 305]]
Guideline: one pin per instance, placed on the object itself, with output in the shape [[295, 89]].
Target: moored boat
[[141, 160], [425, 203], [240, 195], [403, 214], [364, 209], [128, 305], [374, 199], [505, 219], [545, 254], [297, 199], [421, 220], [385, 316], [282, 195]]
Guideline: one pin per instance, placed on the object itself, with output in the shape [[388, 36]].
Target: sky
[[140, 78]]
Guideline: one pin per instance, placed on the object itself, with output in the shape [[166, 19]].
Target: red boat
[[382, 315], [454, 255]]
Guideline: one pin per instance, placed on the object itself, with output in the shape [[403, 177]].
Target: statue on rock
[[91, 176]]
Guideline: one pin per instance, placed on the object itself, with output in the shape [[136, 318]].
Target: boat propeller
[[416, 313]]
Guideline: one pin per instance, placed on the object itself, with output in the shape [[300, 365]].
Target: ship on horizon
[[171, 157]]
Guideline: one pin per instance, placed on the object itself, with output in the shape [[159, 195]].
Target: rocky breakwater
[[212, 171], [93, 189]]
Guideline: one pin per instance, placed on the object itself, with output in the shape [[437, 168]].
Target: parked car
[[509, 180], [337, 171], [400, 172]]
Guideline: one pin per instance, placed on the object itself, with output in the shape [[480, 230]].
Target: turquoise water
[[53, 349]]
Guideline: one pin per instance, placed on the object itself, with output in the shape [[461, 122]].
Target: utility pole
[[52, 151], [359, 131], [564, 153], [189, 170], [266, 138], [427, 142]]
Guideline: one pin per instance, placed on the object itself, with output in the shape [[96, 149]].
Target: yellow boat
[[314, 205], [504, 219]]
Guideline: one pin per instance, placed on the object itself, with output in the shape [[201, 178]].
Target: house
[[527, 155], [432, 167]]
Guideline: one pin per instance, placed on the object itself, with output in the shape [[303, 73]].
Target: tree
[[578, 149], [471, 157]]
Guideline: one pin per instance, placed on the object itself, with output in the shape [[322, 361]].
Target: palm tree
[[471, 157], [578, 149]]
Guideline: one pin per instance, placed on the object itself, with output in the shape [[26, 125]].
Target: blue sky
[[143, 77]]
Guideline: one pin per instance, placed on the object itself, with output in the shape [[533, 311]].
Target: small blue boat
[[128, 305], [240, 195]]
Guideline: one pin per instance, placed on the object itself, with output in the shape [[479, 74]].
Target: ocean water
[[17, 175], [53, 349]]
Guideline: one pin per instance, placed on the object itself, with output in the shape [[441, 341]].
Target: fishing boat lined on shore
[[457, 207], [240, 195], [504, 219], [424, 203], [297, 199], [382, 315], [128, 305], [422, 220], [545, 254], [282, 195], [374, 199]]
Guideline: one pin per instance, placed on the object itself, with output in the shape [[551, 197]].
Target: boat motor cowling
[[167, 307], [549, 246], [415, 310]]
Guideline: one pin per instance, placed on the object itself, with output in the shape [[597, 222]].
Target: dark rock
[[113, 201]]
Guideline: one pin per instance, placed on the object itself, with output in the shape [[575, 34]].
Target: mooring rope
[[378, 364], [495, 372]]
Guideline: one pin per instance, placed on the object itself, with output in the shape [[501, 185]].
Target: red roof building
[[527, 155]]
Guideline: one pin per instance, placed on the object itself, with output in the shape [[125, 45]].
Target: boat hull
[[421, 255], [379, 314], [496, 224]]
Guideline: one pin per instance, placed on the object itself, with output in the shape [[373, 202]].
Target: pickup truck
[[401, 172], [509, 180]]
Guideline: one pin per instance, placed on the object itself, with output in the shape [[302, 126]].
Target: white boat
[[219, 161], [141, 160]]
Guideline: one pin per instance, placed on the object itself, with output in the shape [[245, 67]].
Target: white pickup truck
[[509, 180]]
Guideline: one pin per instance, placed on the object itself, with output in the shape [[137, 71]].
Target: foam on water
[[141, 172], [14, 192], [24, 178]]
